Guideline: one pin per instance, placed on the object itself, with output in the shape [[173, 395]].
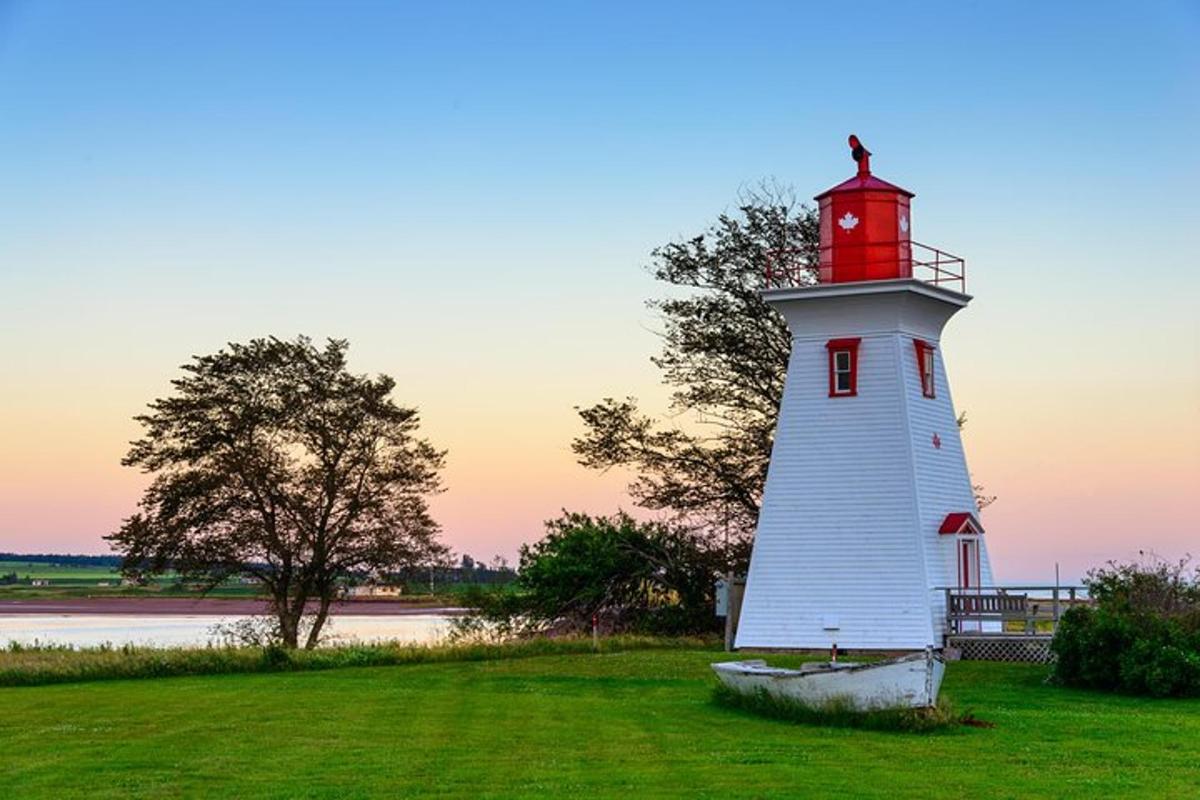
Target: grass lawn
[[633, 724]]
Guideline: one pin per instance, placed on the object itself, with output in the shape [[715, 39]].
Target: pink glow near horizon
[[1078, 484]]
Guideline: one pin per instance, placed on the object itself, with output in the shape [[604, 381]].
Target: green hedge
[[1142, 636], [1099, 648]]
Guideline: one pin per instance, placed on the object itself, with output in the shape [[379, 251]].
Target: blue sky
[[469, 193]]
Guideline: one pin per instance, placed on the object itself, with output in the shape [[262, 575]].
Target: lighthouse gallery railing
[[791, 267]]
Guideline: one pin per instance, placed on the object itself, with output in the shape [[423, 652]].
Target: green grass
[[22, 665], [27, 569], [60, 589], [625, 724], [72, 581]]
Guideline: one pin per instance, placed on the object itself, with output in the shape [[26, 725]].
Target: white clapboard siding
[[847, 549], [944, 483]]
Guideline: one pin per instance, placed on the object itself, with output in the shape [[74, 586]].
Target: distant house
[[104, 583], [374, 590], [39, 582]]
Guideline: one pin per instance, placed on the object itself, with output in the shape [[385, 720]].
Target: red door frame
[[967, 560]]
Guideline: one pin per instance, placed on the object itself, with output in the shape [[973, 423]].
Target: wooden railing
[[1013, 610]]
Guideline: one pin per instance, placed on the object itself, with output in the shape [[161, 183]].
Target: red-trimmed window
[[925, 362], [843, 367]]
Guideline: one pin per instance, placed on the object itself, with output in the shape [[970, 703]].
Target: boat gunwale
[[761, 668]]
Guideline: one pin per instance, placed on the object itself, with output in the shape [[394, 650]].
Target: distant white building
[[868, 511], [374, 590]]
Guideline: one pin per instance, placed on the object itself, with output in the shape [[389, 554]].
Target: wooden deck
[[1023, 610], [1012, 623], [988, 623]]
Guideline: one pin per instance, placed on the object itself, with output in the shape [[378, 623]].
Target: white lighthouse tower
[[868, 513]]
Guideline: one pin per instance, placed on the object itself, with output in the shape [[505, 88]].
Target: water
[[196, 630]]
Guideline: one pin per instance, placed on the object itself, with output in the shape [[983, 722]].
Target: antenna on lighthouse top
[[862, 155]]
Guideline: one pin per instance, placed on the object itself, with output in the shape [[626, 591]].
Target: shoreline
[[207, 606]]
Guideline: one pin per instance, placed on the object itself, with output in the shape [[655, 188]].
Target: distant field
[[67, 580], [628, 725], [62, 572]]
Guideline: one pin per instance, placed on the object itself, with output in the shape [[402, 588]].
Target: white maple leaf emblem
[[848, 221], [903, 224]]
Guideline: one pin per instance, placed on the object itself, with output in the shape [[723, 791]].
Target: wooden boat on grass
[[911, 681]]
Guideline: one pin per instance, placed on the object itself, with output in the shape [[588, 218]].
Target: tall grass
[[22, 665], [839, 713]]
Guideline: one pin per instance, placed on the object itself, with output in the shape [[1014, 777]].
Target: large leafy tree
[[271, 459], [724, 355]]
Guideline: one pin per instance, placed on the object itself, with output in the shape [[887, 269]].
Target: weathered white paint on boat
[[911, 681]]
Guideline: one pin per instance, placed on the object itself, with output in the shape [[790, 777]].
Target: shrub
[[623, 575], [1142, 636]]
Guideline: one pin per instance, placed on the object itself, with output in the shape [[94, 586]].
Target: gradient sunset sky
[[469, 194]]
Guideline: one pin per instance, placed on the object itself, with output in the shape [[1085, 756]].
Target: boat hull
[[907, 682]]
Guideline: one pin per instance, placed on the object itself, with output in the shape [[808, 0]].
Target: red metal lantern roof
[[960, 522], [864, 183]]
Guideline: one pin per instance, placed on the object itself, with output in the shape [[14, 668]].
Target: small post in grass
[[596, 632]]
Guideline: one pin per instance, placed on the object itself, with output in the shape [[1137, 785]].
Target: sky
[[469, 193]]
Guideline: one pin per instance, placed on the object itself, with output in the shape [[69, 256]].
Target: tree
[[271, 459], [623, 574], [725, 355]]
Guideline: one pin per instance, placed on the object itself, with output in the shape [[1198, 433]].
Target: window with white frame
[[843, 367], [925, 367], [841, 372]]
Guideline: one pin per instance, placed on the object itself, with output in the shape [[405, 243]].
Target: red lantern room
[[866, 230]]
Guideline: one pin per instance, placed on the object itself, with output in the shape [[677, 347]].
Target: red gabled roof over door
[[960, 522]]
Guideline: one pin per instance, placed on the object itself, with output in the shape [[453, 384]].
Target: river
[[198, 630]]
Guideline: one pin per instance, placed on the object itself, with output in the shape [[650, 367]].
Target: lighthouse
[[868, 514]]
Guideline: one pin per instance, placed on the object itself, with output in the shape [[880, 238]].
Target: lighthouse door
[[968, 563]]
